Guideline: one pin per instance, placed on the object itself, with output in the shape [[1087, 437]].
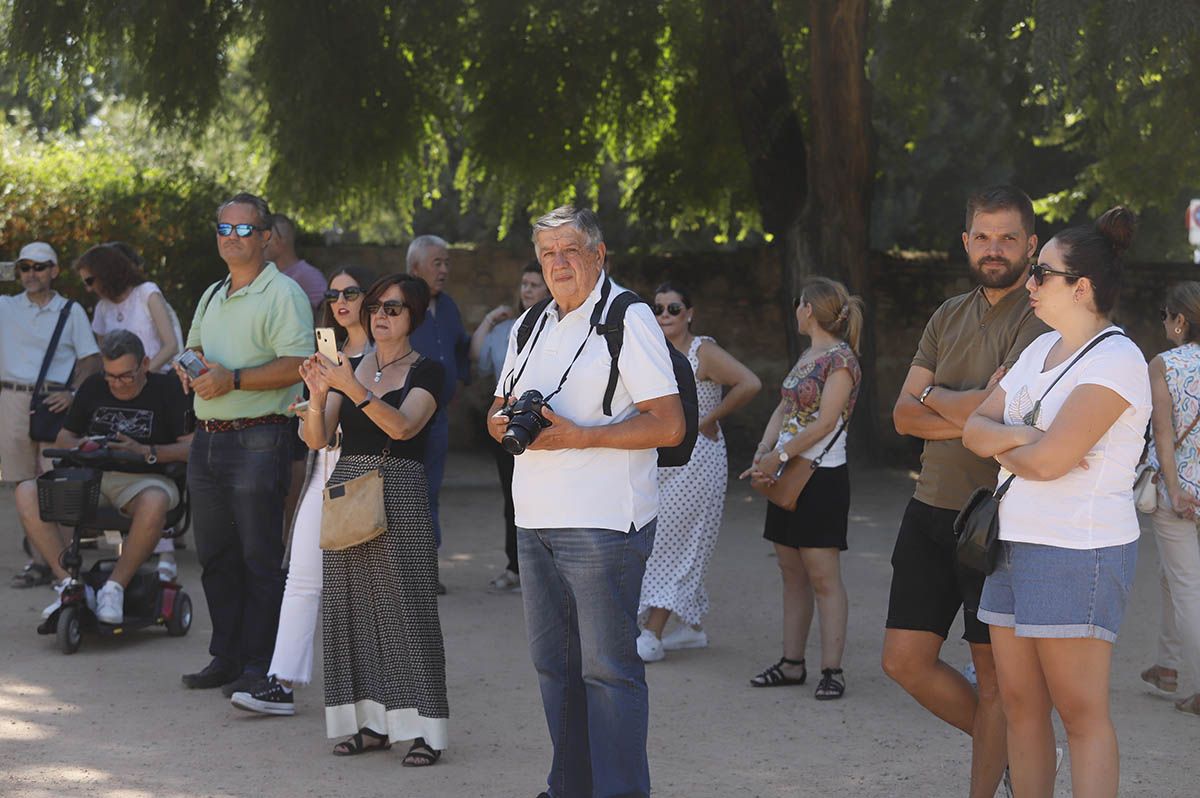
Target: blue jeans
[[237, 481], [436, 447], [581, 589]]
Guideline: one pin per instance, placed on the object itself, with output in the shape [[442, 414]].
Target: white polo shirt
[[593, 488], [25, 332]]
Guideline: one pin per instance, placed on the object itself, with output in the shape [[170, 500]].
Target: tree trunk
[[839, 173], [772, 136]]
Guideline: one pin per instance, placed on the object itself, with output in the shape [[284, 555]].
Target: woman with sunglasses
[[1067, 422], [1174, 452], [385, 669], [818, 398], [292, 661], [692, 496], [489, 344], [128, 301]]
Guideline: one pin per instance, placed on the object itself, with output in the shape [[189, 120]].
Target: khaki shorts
[[20, 456], [118, 489]]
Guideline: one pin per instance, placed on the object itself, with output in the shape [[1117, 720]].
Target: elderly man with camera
[[585, 488]]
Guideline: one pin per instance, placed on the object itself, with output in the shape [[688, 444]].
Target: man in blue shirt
[[443, 338]]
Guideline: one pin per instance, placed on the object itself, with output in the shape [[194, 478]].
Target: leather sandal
[[33, 575], [832, 684], [420, 755], [356, 744], [1163, 680], [775, 677], [1190, 705]]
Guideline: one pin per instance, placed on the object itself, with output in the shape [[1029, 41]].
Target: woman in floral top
[[817, 400]]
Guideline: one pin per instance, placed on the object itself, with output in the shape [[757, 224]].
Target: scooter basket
[[68, 495]]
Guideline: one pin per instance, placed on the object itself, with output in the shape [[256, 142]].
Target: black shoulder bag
[[44, 423], [977, 526]]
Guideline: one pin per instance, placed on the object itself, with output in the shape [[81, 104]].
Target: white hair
[[582, 219], [416, 250]]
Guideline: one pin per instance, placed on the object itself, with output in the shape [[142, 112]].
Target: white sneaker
[[649, 647], [58, 588], [110, 603], [684, 636], [506, 581], [167, 569]]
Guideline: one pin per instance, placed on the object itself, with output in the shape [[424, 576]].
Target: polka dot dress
[[691, 502], [385, 666]]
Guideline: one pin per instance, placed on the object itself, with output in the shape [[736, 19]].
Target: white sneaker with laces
[[110, 603], [684, 636], [649, 647]]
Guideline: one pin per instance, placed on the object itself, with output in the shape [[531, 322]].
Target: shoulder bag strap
[[828, 446], [63, 315], [1187, 431]]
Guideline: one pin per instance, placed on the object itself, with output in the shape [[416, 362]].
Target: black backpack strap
[[529, 320], [63, 315], [613, 330]]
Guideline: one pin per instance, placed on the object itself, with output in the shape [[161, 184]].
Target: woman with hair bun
[[818, 398], [692, 496], [1175, 387], [1066, 424]]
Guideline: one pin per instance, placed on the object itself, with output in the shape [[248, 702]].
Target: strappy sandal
[[1160, 679], [357, 744], [1189, 705], [33, 575], [775, 677], [832, 684], [421, 755]]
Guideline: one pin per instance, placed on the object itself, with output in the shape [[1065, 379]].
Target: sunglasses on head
[[392, 308], [1039, 271], [349, 294], [27, 266], [675, 308], [225, 229]]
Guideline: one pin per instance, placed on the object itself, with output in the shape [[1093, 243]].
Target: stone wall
[[738, 302]]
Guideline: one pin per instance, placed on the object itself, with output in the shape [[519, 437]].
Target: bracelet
[[762, 447], [366, 400], [312, 407], [237, 379]]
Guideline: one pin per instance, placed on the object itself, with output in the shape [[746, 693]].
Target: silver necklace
[[379, 369]]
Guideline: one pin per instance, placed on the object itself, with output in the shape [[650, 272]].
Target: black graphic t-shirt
[[156, 415]]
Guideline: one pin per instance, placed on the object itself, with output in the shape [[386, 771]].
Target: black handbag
[[977, 526], [44, 423]]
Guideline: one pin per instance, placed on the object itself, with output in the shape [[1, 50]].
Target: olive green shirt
[[964, 342], [258, 323]]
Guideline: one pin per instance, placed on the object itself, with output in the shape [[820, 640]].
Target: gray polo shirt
[[25, 332]]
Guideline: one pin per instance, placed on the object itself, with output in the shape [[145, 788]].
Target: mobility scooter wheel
[[69, 632], [181, 615]]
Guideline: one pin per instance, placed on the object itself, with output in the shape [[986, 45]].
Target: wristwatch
[[237, 379], [925, 393], [152, 456], [783, 456], [366, 400]]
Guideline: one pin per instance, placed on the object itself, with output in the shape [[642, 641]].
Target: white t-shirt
[[592, 488], [133, 314], [1083, 509]]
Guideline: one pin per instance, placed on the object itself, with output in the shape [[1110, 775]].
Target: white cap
[[38, 252]]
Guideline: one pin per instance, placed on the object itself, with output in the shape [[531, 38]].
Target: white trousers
[[1179, 559], [293, 658]]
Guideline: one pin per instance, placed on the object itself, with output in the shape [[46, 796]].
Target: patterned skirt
[[385, 665]]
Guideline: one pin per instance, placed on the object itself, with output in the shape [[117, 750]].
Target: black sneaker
[[244, 683], [267, 697], [215, 674]]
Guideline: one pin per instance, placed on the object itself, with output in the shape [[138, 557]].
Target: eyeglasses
[[27, 266], [124, 379], [351, 294], [675, 308], [88, 281], [225, 229], [391, 308], [1039, 271]]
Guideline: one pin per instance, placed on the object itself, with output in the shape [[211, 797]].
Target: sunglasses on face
[[349, 294], [391, 308], [1039, 271], [675, 308], [27, 266], [225, 229]]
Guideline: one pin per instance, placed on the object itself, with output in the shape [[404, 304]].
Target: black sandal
[[33, 575], [775, 677], [832, 684], [420, 755], [356, 744]]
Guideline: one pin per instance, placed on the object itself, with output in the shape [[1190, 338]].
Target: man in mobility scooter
[[143, 416]]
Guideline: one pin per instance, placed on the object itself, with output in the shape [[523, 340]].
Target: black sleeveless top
[[360, 435]]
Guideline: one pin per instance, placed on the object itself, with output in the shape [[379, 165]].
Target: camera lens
[[515, 440]]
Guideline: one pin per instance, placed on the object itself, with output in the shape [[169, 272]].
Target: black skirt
[[820, 518]]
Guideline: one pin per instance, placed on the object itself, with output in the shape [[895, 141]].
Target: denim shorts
[[1047, 591]]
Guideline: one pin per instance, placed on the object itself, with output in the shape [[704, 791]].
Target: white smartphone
[[326, 344]]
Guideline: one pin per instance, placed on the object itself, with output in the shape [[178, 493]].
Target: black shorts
[[819, 520], [928, 584]]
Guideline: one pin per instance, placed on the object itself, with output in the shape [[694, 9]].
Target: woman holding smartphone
[[292, 662]]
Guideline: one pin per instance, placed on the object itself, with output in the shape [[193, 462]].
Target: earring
[[1178, 330]]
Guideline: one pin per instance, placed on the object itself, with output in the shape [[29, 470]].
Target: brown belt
[[20, 386], [235, 424]]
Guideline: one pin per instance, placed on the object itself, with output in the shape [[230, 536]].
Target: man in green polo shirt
[[251, 330], [967, 344]]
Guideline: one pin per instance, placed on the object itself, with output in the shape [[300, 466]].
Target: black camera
[[525, 422]]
